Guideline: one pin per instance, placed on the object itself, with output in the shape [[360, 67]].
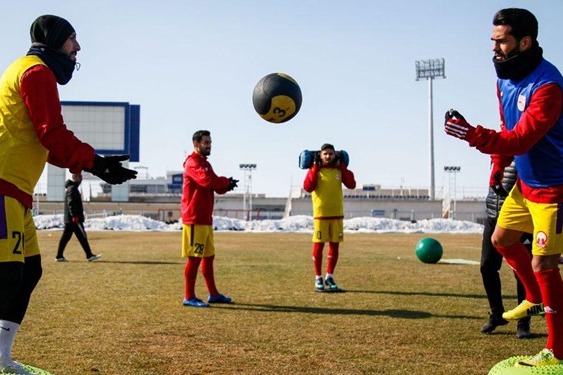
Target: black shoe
[[493, 323], [93, 257], [523, 329]]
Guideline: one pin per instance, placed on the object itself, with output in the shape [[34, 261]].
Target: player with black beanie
[[32, 133]]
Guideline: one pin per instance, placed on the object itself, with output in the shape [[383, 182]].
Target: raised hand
[[456, 125]]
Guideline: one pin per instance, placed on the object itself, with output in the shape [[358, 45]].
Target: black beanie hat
[[50, 30]]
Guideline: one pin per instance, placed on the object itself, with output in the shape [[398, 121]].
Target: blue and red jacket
[[531, 112]]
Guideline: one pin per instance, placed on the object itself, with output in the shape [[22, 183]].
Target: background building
[[111, 128]]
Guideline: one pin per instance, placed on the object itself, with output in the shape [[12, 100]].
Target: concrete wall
[[398, 209]]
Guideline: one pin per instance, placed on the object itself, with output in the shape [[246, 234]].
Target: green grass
[[123, 314]]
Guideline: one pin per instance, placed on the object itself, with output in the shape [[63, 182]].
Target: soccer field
[[124, 313]]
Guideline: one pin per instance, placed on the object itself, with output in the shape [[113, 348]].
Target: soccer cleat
[[523, 310], [493, 323], [195, 302], [319, 285], [331, 285], [523, 329], [94, 257], [219, 299], [60, 259], [13, 367], [543, 358]]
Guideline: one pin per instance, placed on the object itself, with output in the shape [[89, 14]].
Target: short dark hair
[[198, 135], [522, 22], [327, 145]]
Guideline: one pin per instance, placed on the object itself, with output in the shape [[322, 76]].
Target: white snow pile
[[290, 224]]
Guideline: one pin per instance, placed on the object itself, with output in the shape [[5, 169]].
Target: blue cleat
[[319, 285], [219, 299], [331, 285], [195, 302]]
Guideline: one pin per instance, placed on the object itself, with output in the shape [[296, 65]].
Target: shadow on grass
[[533, 335], [429, 294], [393, 313], [143, 262]]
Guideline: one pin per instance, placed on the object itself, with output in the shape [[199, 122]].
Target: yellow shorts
[[544, 220], [18, 238], [328, 230], [197, 241]]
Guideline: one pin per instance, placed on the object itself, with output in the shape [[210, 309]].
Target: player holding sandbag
[[324, 181]]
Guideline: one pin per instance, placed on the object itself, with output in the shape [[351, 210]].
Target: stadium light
[[247, 169], [430, 69], [452, 171]]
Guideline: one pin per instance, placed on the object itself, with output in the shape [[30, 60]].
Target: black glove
[[232, 184], [500, 191], [110, 170], [317, 158], [495, 181]]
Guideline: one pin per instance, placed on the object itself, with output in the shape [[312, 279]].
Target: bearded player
[[324, 181]]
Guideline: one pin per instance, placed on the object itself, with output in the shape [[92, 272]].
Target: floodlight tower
[[430, 69], [452, 170], [247, 170]]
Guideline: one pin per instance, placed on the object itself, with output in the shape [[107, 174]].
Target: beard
[[515, 51]]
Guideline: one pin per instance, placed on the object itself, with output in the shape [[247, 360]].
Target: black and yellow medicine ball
[[277, 98]]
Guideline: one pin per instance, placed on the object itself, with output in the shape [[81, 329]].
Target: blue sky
[[193, 65]]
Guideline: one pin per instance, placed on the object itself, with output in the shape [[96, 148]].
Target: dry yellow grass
[[123, 314]]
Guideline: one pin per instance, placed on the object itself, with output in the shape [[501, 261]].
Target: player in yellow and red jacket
[[32, 132], [324, 181]]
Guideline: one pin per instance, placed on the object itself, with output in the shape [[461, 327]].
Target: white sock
[[318, 277], [8, 332], [328, 275]]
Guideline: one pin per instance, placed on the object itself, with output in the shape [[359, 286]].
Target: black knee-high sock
[[31, 272]]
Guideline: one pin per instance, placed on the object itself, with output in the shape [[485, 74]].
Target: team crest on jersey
[[541, 240], [521, 103]]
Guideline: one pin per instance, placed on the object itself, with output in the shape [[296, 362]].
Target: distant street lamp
[[430, 69], [247, 169], [452, 170]]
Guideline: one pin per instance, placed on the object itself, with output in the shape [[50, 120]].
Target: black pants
[[78, 230], [491, 261], [17, 281]]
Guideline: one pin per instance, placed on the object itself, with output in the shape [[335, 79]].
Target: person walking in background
[[74, 219], [491, 259], [198, 192], [530, 94], [32, 132], [324, 181]]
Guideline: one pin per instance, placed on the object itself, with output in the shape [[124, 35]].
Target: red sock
[[518, 257], [190, 276], [318, 257], [209, 275], [551, 286], [332, 257]]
